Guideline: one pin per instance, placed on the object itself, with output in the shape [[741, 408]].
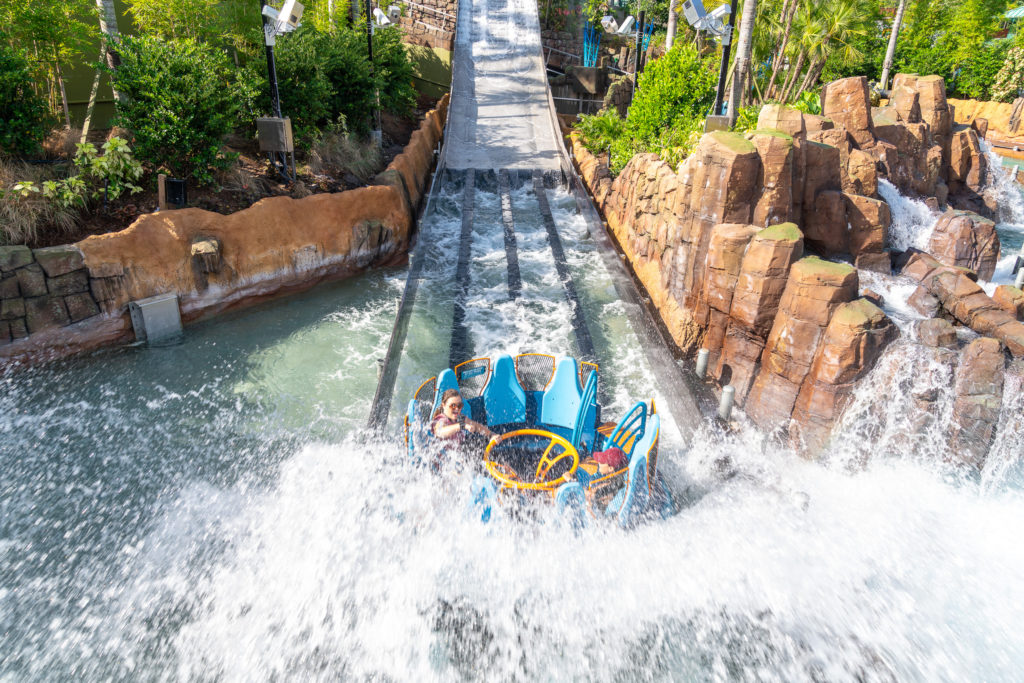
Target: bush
[[673, 91], [180, 98], [977, 75], [393, 72], [24, 115], [809, 102], [746, 118], [23, 209], [1009, 82]]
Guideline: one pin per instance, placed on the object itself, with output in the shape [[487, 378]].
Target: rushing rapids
[[215, 510]]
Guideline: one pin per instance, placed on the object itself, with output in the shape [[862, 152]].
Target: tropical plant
[[746, 118]]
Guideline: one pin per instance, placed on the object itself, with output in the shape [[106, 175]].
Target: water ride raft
[[546, 418]]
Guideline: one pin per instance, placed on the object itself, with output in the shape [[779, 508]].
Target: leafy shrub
[[112, 174], [1009, 82], [675, 89], [977, 75], [808, 102], [180, 98], [393, 72], [24, 115], [325, 77], [667, 114], [746, 118]]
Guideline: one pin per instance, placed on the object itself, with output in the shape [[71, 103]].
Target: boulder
[[978, 397], [980, 126], [967, 240], [813, 291], [755, 302], [968, 166], [848, 104], [73, 282], [45, 312], [1010, 299], [12, 258], [57, 261], [937, 333], [924, 302], [9, 288], [12, 308], [782, 118], [875, 262], [32, 281], [906, 102], [80, 307], [860, 174], [725, 255], [825, 228], [775, 204], [869, 220], [853, 341]]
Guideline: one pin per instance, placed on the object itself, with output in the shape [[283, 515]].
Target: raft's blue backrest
[[586, 417], [637, 498], [445, 381], [504, 398], [419, 428], [561, 401], [629, 429]]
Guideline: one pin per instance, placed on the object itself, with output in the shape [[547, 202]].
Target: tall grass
[[338, 152], [23, 220]]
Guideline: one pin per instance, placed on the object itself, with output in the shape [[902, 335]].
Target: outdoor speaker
[[177, 196]]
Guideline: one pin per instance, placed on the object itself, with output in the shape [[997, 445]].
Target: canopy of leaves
[[24, 117]]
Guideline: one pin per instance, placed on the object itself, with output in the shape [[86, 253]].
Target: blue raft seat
[[560, 403], [634, 499], [445, 381], [503, 397]]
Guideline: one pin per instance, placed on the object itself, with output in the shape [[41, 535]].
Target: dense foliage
[[673, 96], [180, 98], [24, 117]]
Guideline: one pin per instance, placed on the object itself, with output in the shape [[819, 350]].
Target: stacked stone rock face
[[42, 289], [66, 299], [722, 245]]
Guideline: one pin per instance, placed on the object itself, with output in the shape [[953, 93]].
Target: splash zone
[[549, 440]]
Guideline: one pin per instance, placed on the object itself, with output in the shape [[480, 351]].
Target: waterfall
[[912, 219], [1000, 181]]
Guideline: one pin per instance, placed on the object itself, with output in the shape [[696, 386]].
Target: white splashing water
[[1008, 194], [912, 220]]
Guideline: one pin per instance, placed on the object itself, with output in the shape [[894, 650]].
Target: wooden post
[[161, 192]]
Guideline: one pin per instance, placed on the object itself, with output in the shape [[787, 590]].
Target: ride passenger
[[450, 424]]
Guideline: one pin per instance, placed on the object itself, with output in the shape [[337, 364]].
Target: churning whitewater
[[215, 510]]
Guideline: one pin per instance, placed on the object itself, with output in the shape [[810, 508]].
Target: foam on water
[[215, 511]]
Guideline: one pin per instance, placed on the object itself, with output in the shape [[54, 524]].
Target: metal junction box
[[275, 134], [156, 318]]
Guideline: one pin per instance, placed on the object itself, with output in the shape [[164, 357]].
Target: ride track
[[502, 132]]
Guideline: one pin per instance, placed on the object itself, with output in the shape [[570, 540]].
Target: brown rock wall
[[275, 246]]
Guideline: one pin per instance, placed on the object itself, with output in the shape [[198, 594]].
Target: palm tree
[[789, 8], [743, 48], [891, 50], [843, 21]]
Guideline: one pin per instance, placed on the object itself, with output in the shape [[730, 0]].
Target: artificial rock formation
[[51, 299], [720, 249], [979, 393], [965, 239], [952, 291]]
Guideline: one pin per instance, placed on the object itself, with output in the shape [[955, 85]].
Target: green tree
[[24, 117]]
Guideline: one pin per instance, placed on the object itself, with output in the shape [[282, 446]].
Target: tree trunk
[[92, 106], [891, 50], [670, 36], [330, 14], [743, 49], [108, 26], [791, 81], [63, 93], [813, 71], [780, 56]]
